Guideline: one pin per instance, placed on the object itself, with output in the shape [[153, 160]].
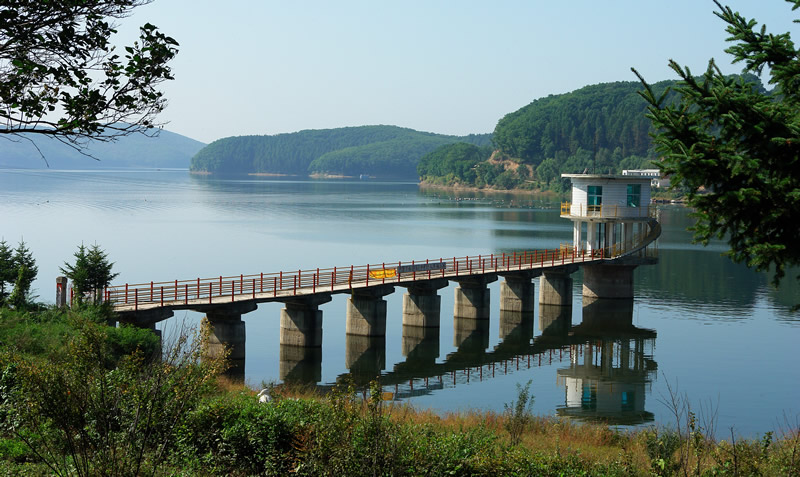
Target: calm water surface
[[700, 324]]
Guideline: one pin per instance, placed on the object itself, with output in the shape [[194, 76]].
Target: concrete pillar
[[516, 327], [366, 311], [555, 286], [365, 357], [472, 297], [301, 321], [228, 332], [607, 314], [420, 344], [555, 320], [61, 292], [300, 364], [422, 304], [516, 293], [608, 281], [470, 334]]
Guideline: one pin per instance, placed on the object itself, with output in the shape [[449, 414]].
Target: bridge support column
[[366, 311], [365, 356], [301, 321], [516, 326], [608, 281], [607, 314], [472, 297], [555, 286], [420, 344], [516, 292], [422, 303], [228, 331], [470, 334], [300, 364], [555, 320]]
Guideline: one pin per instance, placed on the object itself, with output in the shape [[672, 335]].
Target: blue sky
[[452, 67]]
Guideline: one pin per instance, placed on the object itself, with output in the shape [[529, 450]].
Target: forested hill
[[600, 128], [605, 118], [382, 151]]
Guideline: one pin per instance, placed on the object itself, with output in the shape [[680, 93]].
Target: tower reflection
[[611, 366]]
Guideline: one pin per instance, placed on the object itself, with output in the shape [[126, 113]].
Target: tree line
[[600, 129], [373, 150]]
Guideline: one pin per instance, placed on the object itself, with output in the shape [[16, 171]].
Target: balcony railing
[[606, 211]]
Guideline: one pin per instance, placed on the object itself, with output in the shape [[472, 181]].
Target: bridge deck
[[285, 286]]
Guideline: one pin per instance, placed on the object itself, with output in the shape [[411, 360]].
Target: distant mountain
[[381, 151], [167, 150]]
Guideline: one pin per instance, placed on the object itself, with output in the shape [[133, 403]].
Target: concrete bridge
[[608, 273]]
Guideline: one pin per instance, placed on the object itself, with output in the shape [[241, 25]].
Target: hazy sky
[[452, 67]]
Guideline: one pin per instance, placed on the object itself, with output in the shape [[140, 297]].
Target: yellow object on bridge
[[383, 273]]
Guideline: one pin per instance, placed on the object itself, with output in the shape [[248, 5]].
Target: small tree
[[7, 271], [91, 272], [22, 272]]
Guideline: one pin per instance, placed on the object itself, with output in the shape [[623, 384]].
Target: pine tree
[[25, 271], [735, 147], [8, 272], [90, 274]]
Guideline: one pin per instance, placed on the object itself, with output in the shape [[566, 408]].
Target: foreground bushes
[[80, 398]]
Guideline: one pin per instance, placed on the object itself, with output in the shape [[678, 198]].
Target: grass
[[347, 431]]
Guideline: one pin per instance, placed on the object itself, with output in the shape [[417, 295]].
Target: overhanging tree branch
[[61, 77]]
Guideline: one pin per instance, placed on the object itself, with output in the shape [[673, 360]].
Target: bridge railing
[[320, 280], [290, 283]]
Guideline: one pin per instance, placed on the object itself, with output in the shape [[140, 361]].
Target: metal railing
[[609, 211], [264, 286]]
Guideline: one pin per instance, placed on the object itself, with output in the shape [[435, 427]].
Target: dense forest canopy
[[600, 118], [600, 129], [385, 151]]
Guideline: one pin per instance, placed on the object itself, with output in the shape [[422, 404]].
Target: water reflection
[[609, 363], [611, 366]]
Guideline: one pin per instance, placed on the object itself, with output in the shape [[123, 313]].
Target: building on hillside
[[656, 180]]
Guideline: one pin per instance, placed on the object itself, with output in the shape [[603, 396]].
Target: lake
[[708, 329]]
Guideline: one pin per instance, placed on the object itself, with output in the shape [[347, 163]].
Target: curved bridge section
[[155, 301]]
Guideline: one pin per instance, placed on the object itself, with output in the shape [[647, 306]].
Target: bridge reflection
[[605, 362]]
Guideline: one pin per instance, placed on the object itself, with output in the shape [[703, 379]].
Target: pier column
[[420, 344], [301, 321], [472, 297], [365, 357], [61, 292], [228, 331], [607, 314], [516, 327], [470, 335], [516, 292], [300, 364], [366, 311], [555, 320], [422, 303], [608, 281], [555, 286]]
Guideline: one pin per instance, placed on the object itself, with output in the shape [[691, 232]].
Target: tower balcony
[[611, 211]]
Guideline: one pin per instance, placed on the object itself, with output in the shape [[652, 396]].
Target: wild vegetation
[[600, 128], [78, 397], [373, 150]]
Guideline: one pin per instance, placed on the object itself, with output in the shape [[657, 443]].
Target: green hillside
[[601, 128], [383, 151], [166, 150]]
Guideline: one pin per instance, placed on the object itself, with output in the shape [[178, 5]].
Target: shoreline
[[460, 188]]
